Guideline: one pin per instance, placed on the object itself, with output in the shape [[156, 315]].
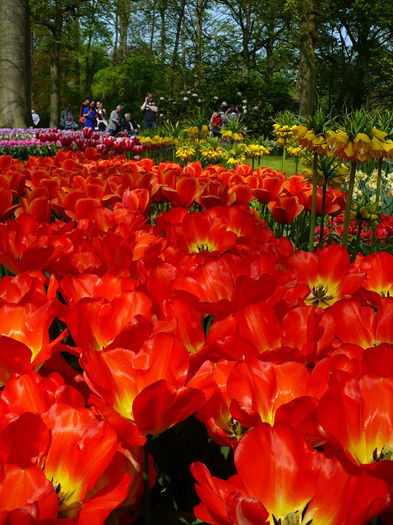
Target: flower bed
[[152, 322]]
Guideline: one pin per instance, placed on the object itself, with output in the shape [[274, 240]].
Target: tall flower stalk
[[354, 142], [283, 129], [311, 135], [384, 135]]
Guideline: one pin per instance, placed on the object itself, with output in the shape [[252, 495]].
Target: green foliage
[[128, 82], [357, 121], [320, 122], [353, 52], [384, 122], [24, 152]]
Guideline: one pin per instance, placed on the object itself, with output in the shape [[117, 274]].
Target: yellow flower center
[[68, 505]]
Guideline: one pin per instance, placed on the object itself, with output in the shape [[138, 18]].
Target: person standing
[[35, 117], [114, 121], [89, 113], [101, 116], [85, 104], [217, 121], [149, 108]]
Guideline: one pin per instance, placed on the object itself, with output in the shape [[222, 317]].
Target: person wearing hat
[[114, 121]]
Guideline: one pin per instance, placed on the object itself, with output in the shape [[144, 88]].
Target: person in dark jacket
[[128, 125], [149, 108]]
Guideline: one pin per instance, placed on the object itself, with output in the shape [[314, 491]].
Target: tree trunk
[[183, 55], [76, 64], [162, 9], [124, 22], [245, 64], [198, 42], [305, 82], [153, 26], [269, 57], [362, 49], [88, 48], [15, 79], [175, 48], [55, 70], [116, 42], [246, 27]]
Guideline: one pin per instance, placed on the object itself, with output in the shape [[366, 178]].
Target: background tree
[[15, 79], [308, 13], [244, 52]]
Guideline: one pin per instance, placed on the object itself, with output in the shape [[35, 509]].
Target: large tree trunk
[[245, 64], [305, 82], [362, 49], [269, 56], [198, 41], [162, 9], [124, 7], [246, 26], [15, 80], [56, 29], [54, 84], [90, 36], [175, 48], [153, 26], [183, 55], [116, 42]]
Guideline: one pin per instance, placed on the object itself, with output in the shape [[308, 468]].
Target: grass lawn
[[274, 163]]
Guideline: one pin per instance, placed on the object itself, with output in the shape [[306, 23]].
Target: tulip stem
[[378, 190], [374, 239], [283, 157], [296, 163], [297, 229], [322, 215], [146, 487], [358, 236], [349, 203], [314, 201]]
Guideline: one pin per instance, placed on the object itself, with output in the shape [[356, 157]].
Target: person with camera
[[114, 125], [149, 109]]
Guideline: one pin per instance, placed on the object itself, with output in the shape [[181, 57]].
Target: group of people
[[92, 114]]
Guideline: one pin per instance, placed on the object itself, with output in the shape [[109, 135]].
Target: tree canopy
[[305, 52]]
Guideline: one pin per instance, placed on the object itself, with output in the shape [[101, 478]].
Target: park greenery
[[198, 53]]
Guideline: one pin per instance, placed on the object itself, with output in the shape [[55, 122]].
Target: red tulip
[[87, 132], [285, 209], [328, 273], [155, 376]]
